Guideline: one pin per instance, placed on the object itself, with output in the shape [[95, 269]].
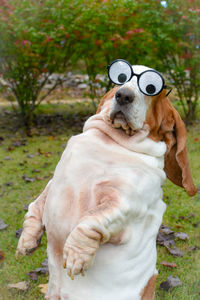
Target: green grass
[[182, 211]]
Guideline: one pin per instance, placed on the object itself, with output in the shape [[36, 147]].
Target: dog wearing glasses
[[103, 207]]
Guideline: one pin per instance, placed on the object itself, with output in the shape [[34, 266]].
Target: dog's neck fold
[[139, 142]]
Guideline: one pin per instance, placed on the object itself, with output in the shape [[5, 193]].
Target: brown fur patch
[[148, 293]]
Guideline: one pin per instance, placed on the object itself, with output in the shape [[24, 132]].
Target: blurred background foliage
[[39, 38]]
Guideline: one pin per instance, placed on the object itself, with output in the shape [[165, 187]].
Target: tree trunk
[[27, 119], [191, 111]]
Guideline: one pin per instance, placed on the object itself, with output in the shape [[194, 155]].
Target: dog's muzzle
[[119, 113]]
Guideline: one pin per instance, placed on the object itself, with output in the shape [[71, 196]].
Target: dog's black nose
[[124, 96]]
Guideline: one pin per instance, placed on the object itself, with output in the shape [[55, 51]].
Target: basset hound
[[103, 207]]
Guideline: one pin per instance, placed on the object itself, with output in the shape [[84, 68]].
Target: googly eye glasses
[[150, 82]]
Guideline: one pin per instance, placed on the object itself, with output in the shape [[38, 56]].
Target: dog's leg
[[100, 224], [55, 263], [33, 228]]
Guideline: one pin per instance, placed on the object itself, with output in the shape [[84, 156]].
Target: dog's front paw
[[76, 260], [27, 244], [80, 249]]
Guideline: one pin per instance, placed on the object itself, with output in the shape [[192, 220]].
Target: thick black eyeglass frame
[[138, 76]]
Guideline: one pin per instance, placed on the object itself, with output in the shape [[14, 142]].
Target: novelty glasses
[[150, 82]]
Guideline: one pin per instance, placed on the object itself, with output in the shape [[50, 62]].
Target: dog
[[103, 207]]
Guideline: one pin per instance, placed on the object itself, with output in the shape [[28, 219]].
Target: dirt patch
[[48, 119]]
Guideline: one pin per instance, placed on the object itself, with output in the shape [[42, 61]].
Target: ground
[[27, 163]]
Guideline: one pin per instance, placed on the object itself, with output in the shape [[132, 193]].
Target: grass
[[42, 152]]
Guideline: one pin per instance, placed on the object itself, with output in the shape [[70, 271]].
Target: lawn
[[27, 163]]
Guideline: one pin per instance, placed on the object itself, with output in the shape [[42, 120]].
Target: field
[[27, 163]]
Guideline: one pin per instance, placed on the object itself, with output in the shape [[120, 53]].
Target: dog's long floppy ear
[[176, 159], [169, 127]]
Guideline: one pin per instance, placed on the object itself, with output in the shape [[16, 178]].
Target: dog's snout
[[124, 96]]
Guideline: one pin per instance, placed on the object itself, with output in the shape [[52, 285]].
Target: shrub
[[107, 30], [34, 44], [176, 31]]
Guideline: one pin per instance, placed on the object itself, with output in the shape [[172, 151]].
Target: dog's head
[[129, 109], [132, 100], [130, 106]]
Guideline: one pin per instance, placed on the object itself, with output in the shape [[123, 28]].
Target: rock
[[30, 155], [193, 248], [174, 281], [3, 225], [28, 179], [33, 275], [171, 282], [3, 82], [54, 77], [182, 236], [165, 238], [8, 158], [171, 247], [9, 183], [49, 86], [26, 207], [18, 232], [82, 86], [166, 230], [43, 270], [45, 263]]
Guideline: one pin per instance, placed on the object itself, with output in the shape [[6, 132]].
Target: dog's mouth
[[119, 120]]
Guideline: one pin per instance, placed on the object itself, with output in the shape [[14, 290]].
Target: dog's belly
[[120, 271]]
